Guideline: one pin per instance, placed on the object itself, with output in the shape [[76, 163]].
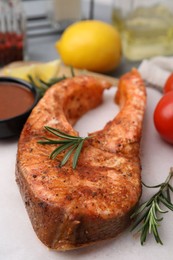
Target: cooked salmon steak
[[71, 208]]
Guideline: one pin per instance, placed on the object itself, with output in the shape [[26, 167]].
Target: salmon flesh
[[71, 208]]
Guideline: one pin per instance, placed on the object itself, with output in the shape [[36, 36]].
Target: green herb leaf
[[61, 134], [68, 154], [77, 152], [72, 71], [147, 214], [66, 142], [60, 149], [42, 86]]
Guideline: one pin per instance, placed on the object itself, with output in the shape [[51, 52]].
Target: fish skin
[[71, 208]]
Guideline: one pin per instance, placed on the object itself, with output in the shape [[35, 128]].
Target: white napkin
[[156, 70]]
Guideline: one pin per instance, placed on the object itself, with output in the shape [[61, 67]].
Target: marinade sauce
[[14, 99]]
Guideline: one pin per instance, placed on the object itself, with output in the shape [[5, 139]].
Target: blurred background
[[43, 30], [41, 22], [45, 8], [145, 27]]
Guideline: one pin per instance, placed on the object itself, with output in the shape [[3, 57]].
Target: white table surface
[[17, 238]]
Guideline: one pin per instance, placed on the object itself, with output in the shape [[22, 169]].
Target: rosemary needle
[[69, 143], [147, 215], [42, 86]]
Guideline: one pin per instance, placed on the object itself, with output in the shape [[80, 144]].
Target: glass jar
[[12, 31], [146, 27], [65, 12]]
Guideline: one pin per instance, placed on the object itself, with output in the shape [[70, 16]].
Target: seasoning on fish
[[71, 208]]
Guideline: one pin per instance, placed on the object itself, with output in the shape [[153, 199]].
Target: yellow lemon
[[47, 71], [91, 45], [44, 71], [20, 72]]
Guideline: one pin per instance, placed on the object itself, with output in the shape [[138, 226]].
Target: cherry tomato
[[163, 117], [169, 84]]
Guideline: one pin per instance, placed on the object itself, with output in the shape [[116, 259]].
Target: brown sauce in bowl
[[14, 99]]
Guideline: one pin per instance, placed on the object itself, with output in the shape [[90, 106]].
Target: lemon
[[92, 45], [44, 71], [20, 72], [48, 70]]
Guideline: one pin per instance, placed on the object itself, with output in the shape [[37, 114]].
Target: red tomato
[[169, 84], [163, 117]]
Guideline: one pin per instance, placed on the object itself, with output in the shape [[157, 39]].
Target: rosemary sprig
[[42, 86], [72, 144], [149, 211]]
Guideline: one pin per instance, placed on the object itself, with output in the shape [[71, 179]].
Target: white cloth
[[156, 70]]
